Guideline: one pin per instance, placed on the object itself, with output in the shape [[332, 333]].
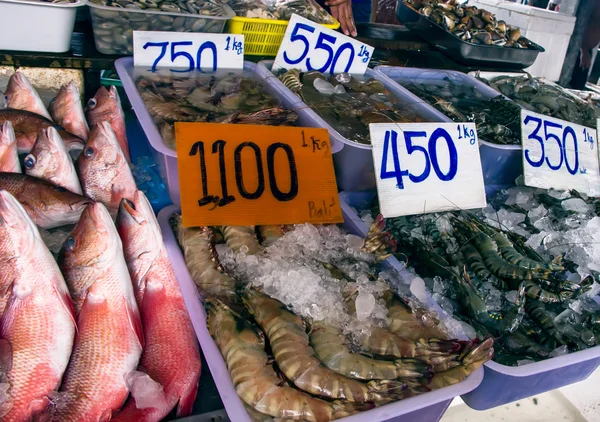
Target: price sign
[[426, 167], [245, 175], [187, 51], [309, 46], [558, 154]]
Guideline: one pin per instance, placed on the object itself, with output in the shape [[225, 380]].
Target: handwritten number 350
[[225, 198]]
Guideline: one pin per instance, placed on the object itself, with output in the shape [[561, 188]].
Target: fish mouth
[[100, 217], [80, 204], [12, 213], [130, 211]]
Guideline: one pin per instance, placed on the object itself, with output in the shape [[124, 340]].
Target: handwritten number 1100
[[218, 147], [192, 64]]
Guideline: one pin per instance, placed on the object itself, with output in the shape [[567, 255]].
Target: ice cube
[[523, 197], [559, 351], [417, 288], [146, 392], [537, 212], [511, 296], [577, 205], [365, 302], [323, 86], [354, 241]]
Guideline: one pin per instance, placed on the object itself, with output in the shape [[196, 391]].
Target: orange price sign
[[244, 175]]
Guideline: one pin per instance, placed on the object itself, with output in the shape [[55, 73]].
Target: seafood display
[[348, 103], [281, 10], [552, 100], [524, 271], [351, 338], [471, 24], [232, 97], [498, 120], [115, 21]]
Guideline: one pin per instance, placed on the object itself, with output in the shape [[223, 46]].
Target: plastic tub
[[501, 164], [426, 407], [504, 384], [354, 163], [463, 51], [37, 26], [113, 26], [262, 37], [165, 157]]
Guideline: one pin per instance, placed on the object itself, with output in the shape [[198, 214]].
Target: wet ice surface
[[567, 225], [294, 271]]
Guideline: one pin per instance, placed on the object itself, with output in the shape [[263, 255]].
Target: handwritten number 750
[[192, 63]]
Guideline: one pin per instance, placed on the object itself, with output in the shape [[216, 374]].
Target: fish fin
[[6, 356], [65, 299], [135, 320], [146, 392], [105, 416], [186, 402]]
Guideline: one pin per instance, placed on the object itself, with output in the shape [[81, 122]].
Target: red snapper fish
[[106, 107], [21, 95], [170, 361], [109, 340], [37, 325]]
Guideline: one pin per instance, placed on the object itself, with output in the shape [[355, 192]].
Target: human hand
[[585, 59], [341, 10]]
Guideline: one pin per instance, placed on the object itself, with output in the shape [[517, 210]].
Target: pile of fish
[[348, 104], [470, 24], [498, 119], [115, 22], [526, 276], [281, 10], [536, 95], [72, 334], [369, 341], [198, 97]]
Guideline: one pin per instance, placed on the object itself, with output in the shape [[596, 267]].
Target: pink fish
[[37, 326], [21, 95], [67, 111], [106, 107], [170, 361], [109, 340], [9, 155]]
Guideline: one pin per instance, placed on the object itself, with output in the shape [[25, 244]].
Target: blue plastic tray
[[504, 384], [501, 164], [354, 163]]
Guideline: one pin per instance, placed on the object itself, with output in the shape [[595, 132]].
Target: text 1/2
[[334, 50], [182, 59], [218, 147], [562, 136], [429, 154]]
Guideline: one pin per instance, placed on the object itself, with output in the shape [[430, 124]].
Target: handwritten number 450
[[429, 155], [191, 63]]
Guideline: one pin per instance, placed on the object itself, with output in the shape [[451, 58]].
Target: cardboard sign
[[309, 46], [426, 167], [244, 175], [187, 51], [558, 154]]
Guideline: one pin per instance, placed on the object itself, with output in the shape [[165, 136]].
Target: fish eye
[[29, 161], [70, 243], [92, 103], [60, 189], [88, 152]]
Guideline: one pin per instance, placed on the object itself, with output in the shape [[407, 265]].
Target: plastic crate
[[504, 384], [354, 162], [426, 407], [165, 157], [262, 37], [501, 164]]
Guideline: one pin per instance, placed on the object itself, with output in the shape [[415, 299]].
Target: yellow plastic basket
[[262, 37]]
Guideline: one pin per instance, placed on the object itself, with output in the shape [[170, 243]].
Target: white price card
[[187, 51], [426, 167], [309, 46], [558, 154]]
